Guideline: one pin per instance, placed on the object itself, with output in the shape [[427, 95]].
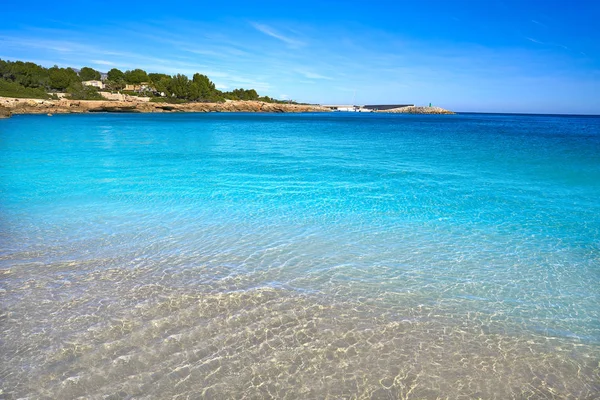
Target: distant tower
[[429, 104]]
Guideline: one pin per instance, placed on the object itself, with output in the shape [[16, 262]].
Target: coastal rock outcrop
[[4, 112], [417, 110], [64, 106]]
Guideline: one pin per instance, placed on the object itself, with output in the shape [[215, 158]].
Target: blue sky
[[540, 56]]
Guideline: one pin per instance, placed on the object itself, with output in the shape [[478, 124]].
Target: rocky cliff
[[4, 112], [63, 106]]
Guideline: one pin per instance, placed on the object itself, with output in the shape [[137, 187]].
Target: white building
[[98, 84]]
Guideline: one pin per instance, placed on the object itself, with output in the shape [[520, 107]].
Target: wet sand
[[113, 333]]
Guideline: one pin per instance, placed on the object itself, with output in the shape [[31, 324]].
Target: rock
[[4, 112], [417, 110], [32, 106], [116, 108]]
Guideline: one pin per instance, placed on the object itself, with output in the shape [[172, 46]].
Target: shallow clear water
[[299, 256]]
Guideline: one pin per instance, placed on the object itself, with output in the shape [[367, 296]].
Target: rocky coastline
[[417, 110], [66, 106], [9, 106], [4, 112]]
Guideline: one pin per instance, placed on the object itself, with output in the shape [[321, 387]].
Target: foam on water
[[300, 256]]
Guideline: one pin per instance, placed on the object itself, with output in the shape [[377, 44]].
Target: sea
[[299, 256]]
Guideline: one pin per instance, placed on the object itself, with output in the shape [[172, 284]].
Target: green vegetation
[[168, 100], [115, 75], [26, 79], [77, 91], [89, 74], [241, 94], [61, 78], [115, 79], [13, 89], [29, 80], [136, 76]]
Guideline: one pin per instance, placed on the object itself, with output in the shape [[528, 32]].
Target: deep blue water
[[481, 231]]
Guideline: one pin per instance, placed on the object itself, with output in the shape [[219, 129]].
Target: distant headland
[[28, 88]]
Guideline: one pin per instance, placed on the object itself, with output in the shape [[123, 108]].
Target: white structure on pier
[[366, 108]]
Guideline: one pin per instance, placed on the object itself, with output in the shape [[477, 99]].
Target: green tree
[[4, 69], [180, 86], [115, 75], [202, 88], [13, 89], [31, 75], [136, 76], [194, 92], [77, 91], [112, 85], [61, 78], [115, 79], [19, 76], [89, 74], [242, 94], [154, 77], [251, 94], [161, 84], [203, 85], [26, 74]]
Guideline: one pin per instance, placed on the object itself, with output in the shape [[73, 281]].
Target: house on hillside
[[98, 84], [138, 88]]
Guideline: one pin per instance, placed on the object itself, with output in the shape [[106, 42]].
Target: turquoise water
[[300, 256]]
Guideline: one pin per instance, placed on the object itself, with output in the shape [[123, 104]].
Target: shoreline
[[65, 106], [10, 105], [382, 350]]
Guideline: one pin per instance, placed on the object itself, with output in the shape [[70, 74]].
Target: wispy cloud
[[269, 31], [216, 51], [54, 45], [317, 62], [312, 75], [534, 40], [538, 23], [102, 62], [562, 46]]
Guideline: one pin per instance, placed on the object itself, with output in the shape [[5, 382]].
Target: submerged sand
[[108, 335]]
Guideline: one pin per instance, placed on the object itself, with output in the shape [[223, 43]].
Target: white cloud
[[538, 23], [534, 40], [103, 62], [562, 46], [54, 45], [267, 30], [312, 75]]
